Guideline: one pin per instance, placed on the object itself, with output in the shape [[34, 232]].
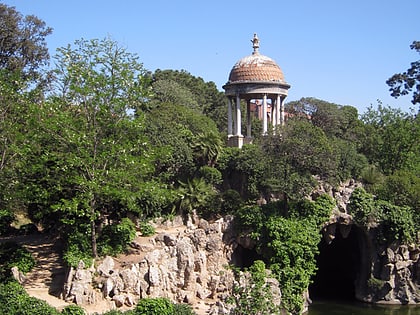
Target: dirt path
[[46, 279]]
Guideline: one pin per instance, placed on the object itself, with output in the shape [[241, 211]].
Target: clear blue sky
[[340, 51]]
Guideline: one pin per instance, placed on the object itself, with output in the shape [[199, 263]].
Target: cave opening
[[244, 257], [339, 265]]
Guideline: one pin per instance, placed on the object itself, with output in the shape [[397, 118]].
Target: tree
[[391, 139], [408, 81], [23, 49], [23, 54], [188, 90], [92, 144]]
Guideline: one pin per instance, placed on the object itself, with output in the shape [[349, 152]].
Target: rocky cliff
[[188, 263]]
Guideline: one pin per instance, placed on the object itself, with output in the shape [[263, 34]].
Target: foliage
[[335, 120], [147, 229], [231, 201], [390, 139], [402, 189], [186, 89], [114, 312], [15, 300], [288, 235], [14, 255], [194, 194], [210, 174], [23, 46], [154, 306], [408, 81], [183, 309], [115, 238], [252, 294], [394, 222], [243, 170], [73, 310], [397, 222], [178, 131], [94, 143], [78, 246], [290, 245], [6, 218], [362, 207]]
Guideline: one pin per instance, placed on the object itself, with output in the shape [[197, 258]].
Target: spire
[[255, 44]]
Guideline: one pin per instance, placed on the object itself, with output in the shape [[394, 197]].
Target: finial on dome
[[255, 44]]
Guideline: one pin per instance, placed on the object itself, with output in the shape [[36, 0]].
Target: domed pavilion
[[259, 81]]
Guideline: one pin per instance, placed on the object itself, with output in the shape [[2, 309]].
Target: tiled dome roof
[[256, 67]]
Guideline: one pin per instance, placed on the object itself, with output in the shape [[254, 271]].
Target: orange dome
[[256, 67]]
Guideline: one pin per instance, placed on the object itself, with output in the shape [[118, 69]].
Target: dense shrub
[[362, 207], [115, 238], [183, 309], [397, 222], [78, 246], [6, 218], [156, 306], [231, 201], [15, 300], [256, 296], [73, 310], [14, 255], [147, 229]]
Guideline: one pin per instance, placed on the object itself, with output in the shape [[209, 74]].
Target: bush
[[147, 229], [114, 312], [6, 218], [78, 247], [362, 207], [116, 237], [15, 300], [73, 310], [231, 201], [183, 309], [14, 255], [157, 306], [211, 175], [397, 222]]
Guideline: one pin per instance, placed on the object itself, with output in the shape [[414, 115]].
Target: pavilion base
[[235, 141]]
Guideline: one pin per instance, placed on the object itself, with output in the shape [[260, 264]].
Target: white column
[[282, 111], [278, 118], [238, 131], [248, 118], [230, 117], [265, 114]]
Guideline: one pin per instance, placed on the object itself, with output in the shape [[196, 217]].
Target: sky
[[340, 51]]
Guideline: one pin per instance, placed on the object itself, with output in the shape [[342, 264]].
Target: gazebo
[[259, 81]]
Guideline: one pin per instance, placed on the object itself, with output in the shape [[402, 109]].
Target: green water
[[348, 308]]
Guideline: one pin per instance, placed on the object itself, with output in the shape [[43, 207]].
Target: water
[[355, 308]]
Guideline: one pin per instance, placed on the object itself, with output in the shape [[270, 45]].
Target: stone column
[[278, 117], [248, 118], [282, 111], [230, 122], [238, 131], [265, 114]]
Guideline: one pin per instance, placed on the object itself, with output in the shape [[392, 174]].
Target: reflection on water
[[348, 308]]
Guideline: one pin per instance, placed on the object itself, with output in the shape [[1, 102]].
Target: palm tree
[[207, 148], [194, 194]]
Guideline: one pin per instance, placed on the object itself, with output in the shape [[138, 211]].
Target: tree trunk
[[93, 230]]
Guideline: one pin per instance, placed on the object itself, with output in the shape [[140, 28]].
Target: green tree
[[23, 49], [408, 81], [96, 148], [390, 139], [182, 87]]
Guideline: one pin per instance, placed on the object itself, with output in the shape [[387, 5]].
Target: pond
[[326, 307]]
